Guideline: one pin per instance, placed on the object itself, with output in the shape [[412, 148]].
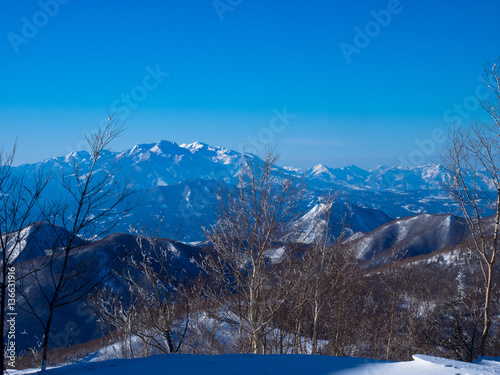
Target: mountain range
[[396, 215], [179, 183]]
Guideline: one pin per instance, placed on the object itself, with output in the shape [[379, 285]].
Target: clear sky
[[336, 82]]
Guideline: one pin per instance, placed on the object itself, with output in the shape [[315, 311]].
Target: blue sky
[[332, 82]]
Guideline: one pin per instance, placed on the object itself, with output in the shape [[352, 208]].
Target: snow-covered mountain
[[179, 181], [42, 238], [409, 237]]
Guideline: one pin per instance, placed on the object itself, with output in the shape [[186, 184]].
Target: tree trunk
[[487, 320], [389, 339], [257, 343], [256, 336], [391, 320], [314, 338], [46, 341], [169, 341], [336, 346], [297, 336]]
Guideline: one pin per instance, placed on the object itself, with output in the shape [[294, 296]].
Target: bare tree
[[253, 247], [344, 299], [96, 203], [164, 314], [156, 310], [18, 204], [119, 315], [472, 159], [324, 263]]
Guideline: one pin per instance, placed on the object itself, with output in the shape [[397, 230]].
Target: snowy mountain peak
[[162, 170], [318, 169], [195, 146], [137, 149], [294, 169], [355, 169], [432, 171], [216, 154], [165, 148]]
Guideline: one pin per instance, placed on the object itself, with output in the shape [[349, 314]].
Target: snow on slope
[[16, 242], [180, 179], [274, 364], [411, 236]]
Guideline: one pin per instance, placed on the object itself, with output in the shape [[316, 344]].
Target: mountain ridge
[[179, 181]]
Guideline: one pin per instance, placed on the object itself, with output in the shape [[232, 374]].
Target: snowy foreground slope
[[272, 364]]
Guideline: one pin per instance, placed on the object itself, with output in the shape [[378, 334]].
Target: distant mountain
[[427, 245], [391, 212], [79, 313], [409, 237], [34, 240], [179, 182]]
